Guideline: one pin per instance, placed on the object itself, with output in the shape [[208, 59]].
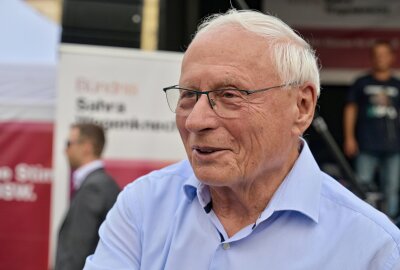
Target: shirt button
[[226, 246]]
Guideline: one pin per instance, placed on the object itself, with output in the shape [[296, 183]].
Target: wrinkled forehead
[[228, 42], [229, 46]]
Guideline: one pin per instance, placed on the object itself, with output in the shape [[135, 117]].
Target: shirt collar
[[299, 191], [82, 172], [191, 186]]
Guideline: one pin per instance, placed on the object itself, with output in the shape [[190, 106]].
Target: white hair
[[294, 59]]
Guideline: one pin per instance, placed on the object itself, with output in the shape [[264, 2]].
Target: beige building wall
[[49, 8]]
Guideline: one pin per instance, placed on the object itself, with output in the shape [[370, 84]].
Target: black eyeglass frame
[[210, 101], [69, 143]]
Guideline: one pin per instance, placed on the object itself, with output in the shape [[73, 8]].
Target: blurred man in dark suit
[[94, 193]]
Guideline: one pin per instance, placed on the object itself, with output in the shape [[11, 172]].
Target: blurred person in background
[[94, 193], [250, 195], [372, 127]]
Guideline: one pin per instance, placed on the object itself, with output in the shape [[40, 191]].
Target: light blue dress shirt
[[164, 221]]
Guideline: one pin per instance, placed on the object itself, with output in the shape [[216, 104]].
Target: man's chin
[[212, 176]]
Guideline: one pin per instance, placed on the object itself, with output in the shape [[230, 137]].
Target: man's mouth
[[205, 150]]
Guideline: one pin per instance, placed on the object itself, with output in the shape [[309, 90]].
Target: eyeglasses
[[69, 143], [227, 103]]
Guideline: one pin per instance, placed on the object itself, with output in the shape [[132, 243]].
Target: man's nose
[[202, 116]]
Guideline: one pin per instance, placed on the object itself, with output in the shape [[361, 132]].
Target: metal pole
[[320, 126]]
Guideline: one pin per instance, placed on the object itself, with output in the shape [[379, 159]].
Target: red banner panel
[[348, 48], [25, 188], [126, 171]]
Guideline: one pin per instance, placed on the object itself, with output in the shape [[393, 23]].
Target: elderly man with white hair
[[250, 195]]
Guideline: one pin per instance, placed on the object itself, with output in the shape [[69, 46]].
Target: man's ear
[[306, 102], [87, 148]]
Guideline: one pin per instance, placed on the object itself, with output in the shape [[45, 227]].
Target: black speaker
[[179, 19], [102, 22]]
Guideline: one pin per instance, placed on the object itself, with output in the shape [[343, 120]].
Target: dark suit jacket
[[78, 234]]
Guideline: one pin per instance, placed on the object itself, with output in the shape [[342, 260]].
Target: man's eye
[[187, 94], [229, 94]]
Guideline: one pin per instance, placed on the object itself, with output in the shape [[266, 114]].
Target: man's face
[[382, 57], [262, 141], [74, 149]]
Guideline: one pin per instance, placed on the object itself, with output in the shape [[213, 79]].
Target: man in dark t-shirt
[[372, 126]]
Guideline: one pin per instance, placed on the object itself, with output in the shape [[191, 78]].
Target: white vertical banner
[[121, 89]]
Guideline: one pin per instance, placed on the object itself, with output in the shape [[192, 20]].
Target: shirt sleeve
[[393, 261], [120, 244]]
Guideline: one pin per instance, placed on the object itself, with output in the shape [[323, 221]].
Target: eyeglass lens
[[225, 103]]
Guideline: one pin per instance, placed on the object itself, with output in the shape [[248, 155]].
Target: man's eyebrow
[[227, 83], [227, 87]]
